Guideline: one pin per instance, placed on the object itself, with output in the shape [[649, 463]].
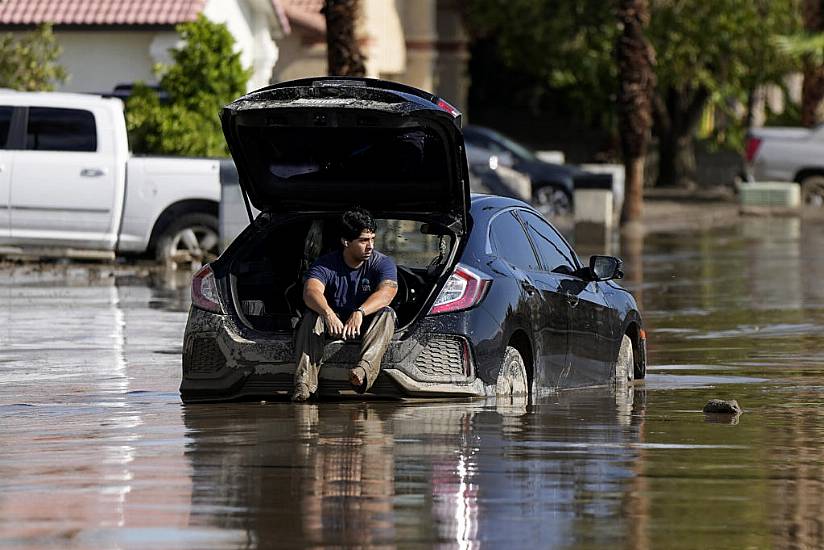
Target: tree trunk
[[636, 82], [812, 90], [676, 120], [342, 49], [676, 159]]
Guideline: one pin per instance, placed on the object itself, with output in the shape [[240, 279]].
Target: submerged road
[[97, 451]]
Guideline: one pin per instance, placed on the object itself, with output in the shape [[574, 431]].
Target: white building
[[109, 42]]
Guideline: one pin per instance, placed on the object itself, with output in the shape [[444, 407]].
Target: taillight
[[462, 290], [448, 108], [204, 290], [753, 143]]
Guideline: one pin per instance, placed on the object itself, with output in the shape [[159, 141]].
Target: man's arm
[[315, 300], [379, 299]]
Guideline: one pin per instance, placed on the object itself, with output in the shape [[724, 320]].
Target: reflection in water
[[98, 451], [386, 473]]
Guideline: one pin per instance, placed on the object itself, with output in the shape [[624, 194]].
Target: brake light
[[448, 108], [753, 143], [204, 290], [462, 290]]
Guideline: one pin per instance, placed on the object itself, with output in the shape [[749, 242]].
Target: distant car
[[553, 185], [491, 301]]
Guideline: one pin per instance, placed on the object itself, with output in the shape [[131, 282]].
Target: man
[[348, 293]]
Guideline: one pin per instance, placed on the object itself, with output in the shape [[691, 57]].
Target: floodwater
[[96, 450]]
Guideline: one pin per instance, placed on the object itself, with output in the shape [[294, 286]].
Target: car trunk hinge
[[248, 206]]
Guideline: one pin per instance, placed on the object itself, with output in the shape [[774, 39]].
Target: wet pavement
[[96, 450]]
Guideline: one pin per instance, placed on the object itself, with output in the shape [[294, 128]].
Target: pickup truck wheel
[[552, 201], [812, 191], [189, 242]]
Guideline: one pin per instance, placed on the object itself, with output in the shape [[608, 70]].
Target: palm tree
[[343, 53], [636, 84], [812, 90]]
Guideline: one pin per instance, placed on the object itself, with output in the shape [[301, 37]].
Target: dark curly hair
[[354, 222]]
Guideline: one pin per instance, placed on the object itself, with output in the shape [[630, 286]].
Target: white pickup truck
[[788, 154], [69, 186]]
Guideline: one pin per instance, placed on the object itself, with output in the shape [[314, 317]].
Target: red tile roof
[[108, 12]]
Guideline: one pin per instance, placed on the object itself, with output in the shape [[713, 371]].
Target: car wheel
[[552, 201], [189, 242], [512, 379], [812, 191], [625, 366]]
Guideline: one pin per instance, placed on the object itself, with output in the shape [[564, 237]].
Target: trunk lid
[[325, 144]]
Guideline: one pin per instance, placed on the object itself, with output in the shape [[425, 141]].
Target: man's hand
[[353, 325], [334, 325]]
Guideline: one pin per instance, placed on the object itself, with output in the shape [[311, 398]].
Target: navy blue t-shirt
[[346, 289]]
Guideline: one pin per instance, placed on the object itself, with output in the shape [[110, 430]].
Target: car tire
[[189, 242], [512, 378], [625, 365], [812, 191], [552, 201]]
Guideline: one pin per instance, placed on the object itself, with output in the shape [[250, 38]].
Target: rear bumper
[[222, 361]]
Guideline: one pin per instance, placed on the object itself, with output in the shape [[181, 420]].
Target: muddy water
[[96, 450]]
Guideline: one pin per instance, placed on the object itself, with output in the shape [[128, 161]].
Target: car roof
[[483, 201]]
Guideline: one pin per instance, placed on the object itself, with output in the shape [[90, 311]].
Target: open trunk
[[267, 271]]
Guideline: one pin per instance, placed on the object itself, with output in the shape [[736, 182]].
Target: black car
[[492, 299], [553, 185]]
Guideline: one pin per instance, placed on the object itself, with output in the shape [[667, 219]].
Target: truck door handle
[[92, 173]]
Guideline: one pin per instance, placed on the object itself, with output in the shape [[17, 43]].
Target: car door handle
[[92, 173], [572, 299]]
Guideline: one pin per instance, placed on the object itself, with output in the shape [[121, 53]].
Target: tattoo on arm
[[388, 283]]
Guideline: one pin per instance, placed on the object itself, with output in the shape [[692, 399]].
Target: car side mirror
[[605, 268]]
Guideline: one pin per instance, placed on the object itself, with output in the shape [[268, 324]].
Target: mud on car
[[491, 299]]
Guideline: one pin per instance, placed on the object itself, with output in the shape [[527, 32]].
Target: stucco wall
[[250, 27], [97, 61]]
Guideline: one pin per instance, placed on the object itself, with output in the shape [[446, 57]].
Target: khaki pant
[[312, 338]]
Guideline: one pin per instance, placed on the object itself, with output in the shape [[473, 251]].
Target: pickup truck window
[[5, 123], [51, 129]]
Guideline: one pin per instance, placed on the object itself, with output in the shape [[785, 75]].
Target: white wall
[[249, 24], [98, 60]]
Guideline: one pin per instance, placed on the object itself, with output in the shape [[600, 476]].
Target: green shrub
[[205, 75]]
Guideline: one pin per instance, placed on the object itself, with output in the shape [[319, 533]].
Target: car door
[[63, 188], [5, 169], [548, 312], [590, 337]]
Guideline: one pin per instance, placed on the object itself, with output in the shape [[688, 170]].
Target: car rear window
[[406, 243], [5, 125], [52, 129]]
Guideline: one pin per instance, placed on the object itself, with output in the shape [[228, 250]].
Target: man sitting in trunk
[[347, 293]]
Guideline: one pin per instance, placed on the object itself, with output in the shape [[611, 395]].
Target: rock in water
[[721, 406]]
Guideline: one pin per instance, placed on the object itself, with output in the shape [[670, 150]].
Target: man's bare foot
[[301, 392], [357, 376]]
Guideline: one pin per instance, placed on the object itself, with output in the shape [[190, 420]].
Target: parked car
[[788, 154], [491, 298], [68, 181], [553, 186]]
